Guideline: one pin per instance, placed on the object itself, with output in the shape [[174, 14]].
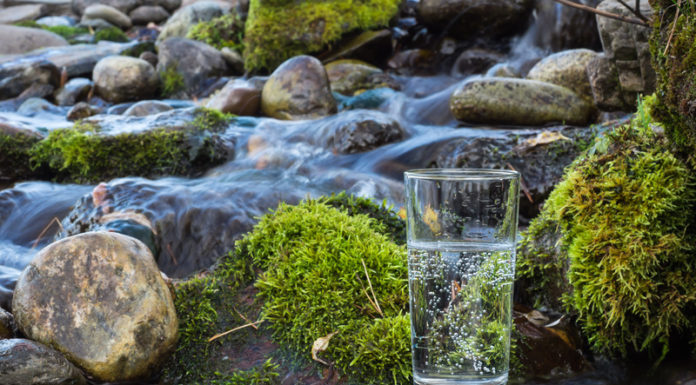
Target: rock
[[604, 81], [145, 14], [147, 107], [82, 110], [298, 89], [96, 24], [25, 362], [359, 131], [110, 14], [371, 46], [412, 60], [124, 6], [74, 91], [196, 62], [567, 69], [12, 15], [54, 21], [99, 299], [518, 102], [149, 57], [182, 20], [15, 141], [464, 18], [17, 76], [169, 5], [234, 60], [237, 97], [17, 40], [476, 61], [8, 329], [36, 107], [348, 77], [122, 78]]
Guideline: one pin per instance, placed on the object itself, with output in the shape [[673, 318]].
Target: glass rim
[[460, 173]]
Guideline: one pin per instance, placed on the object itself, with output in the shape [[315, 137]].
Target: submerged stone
[[25, 362], [99, 298], [518, 102], [298, 89]]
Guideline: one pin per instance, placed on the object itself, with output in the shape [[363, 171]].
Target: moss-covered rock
[[14, 152], [673, 50], [87, 152], [224, 31], [614, 244], [278, 30]]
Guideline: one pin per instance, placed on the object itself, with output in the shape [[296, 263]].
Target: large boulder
[[18, 40], [567, 69], [98, 298], [182, 20], [122, 78], [464, 18], [298, 89], [277, 30], [107, 13], [518, 102], [194, 63], [25, 362]]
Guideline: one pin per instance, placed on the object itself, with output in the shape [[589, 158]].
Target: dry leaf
[[320, 345], [430, 219], [537, 318], [542, 138]]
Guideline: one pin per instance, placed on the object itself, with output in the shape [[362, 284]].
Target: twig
[[171, 254], [674, 26], [635, 11], [246, 319], [376, 303], [211, 339], [522, 185], [603, 13], [45, 229]]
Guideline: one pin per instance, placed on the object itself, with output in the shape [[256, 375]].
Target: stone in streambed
[[148, 13], [12, 15], [18, 40], [17, 76], [185, 18], [124, 6], [194, 62], [518, 102], [82, 110], [122, 78], [349, 77], [8, 329], [298, 89], [147, 107], [238, 97], [99, 299], [107, 13], [25, 362], [359, 131], [567, 69], [74, 91]]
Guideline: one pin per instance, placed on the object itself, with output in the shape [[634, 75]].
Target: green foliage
[[614, 243], [278, 30], [208, 119], [395, 226], [673, 49], [205, 306], [315, 284], [67, 32], [172, 81], [82, 154], [224, 31], [111, 34]]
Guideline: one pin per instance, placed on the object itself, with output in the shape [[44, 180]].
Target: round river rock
[[121, 78], [99, 299]]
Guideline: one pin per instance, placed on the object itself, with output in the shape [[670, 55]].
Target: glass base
[[500, 380]]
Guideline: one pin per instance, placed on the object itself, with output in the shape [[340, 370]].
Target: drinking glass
[[462, 225]]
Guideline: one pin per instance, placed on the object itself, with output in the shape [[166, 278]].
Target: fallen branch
[[246, 319], [522, 185], [674, 26], [635, 11], [43, 232], [603, 13], [211, 339]]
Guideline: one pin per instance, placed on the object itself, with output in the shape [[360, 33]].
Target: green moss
[[82, 154], [675, 65], [314, 284], [278, 30], [172, 81], [111, 34], [220, 32], [14, 156], [208, 119], [613, 243]]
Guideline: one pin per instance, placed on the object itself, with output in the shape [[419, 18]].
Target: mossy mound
[[224, 31], [110, 34], [83, 154], [614, 243], [673, 50], [328, 272], [278, 30], [14, 156]]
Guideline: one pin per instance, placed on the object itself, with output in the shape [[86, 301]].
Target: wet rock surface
[[122, 78], [25, 362], [8, 329], [518, 102], [100, 300], [237, 97], [567, 69], [74, 91], [17, 76], [298, 89], [196, 63]]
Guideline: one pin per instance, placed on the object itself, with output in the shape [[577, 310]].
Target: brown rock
[[237, 97]]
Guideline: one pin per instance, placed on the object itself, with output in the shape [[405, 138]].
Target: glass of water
[[462, 225]]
